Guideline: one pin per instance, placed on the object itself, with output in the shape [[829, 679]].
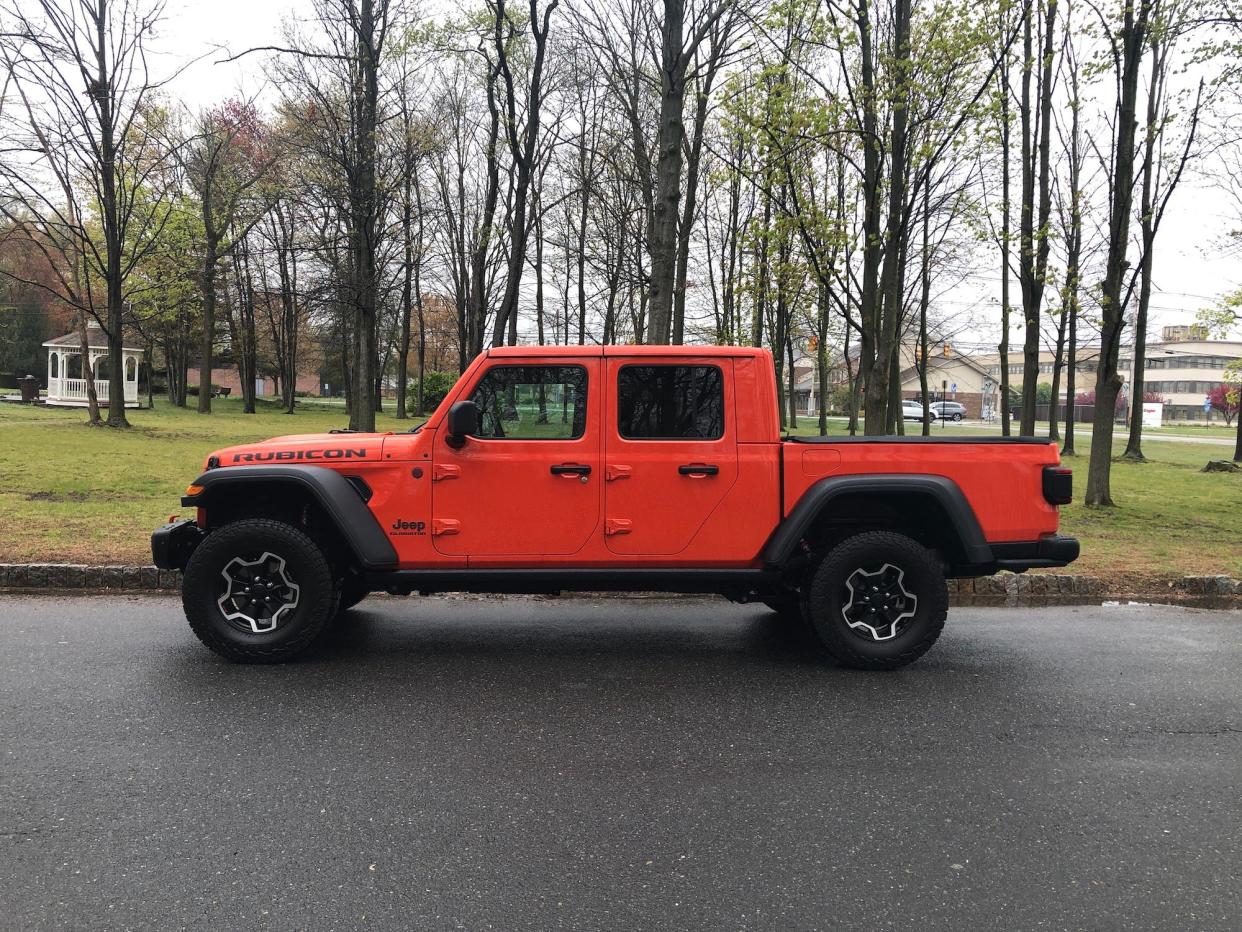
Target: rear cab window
[[670, 402]]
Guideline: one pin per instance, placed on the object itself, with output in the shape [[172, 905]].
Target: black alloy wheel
[[877, 601], [258, 591]]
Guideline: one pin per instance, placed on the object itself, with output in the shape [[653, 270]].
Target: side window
[[532, 403], [670, 403]]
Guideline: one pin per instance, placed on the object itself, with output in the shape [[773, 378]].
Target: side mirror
[[463, 421]]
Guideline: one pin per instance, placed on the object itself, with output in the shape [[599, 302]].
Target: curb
[[1003, 589], [65, 577]]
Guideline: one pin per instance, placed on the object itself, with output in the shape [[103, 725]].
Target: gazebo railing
[[75, 390]]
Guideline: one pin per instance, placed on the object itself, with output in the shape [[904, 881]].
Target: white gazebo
[[65, 384]]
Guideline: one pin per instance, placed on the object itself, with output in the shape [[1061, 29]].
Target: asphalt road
[[612, 764]]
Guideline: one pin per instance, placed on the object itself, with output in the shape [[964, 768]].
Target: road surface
[[612, 764]]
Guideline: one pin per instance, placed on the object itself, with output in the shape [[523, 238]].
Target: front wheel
[[258, 591], [877, 601]]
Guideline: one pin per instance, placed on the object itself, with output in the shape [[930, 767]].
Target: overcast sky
[[1191, 269]]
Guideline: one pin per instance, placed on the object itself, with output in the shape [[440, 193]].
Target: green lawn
[[73, 493], [80, 494]]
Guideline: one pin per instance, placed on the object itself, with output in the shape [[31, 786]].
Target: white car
[[913, 411]]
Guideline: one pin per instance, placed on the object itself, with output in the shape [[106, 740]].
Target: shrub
[[435, 386]]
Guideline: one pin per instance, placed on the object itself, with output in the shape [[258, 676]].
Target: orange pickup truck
[[622, 468]]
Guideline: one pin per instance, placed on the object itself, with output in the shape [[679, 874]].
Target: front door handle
[[698, 469], [571, 469]]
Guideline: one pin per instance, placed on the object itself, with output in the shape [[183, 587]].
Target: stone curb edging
[[70, 576], [1007, 588]]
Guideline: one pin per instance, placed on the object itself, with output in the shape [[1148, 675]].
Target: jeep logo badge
[[404, 528]]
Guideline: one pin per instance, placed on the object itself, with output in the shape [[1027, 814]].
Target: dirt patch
[[58, 496]]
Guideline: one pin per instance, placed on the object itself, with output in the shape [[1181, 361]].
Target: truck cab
[[550, 469]]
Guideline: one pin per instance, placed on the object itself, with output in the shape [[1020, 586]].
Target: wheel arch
[[296, 491], [931, 508]]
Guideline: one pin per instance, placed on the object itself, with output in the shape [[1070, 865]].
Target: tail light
[[1058, 485]]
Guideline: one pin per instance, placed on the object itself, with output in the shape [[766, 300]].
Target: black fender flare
[[782, 546], [333, 493]]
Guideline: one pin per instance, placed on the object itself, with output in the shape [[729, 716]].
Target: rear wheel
[[258, 591], [957, 416], [877, 601]]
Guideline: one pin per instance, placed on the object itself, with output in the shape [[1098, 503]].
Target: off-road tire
[[305, 564], [827, 594]]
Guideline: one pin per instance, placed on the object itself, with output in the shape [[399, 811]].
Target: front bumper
[[1036, 554], [172, 544]]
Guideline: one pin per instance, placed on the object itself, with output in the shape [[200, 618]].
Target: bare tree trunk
[[522, 149], [879, 402], [1058, 363], [1132, 38], [1034, 243], [418, 303], [662, 224], [207, 338], [924, 300], [1003, 348], [870, 339], [407, 283]]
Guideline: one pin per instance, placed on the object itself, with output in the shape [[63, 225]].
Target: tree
[[523, 136], [1225, 398], [23, 330], [1223, 318], [1034, 239], [225, 163], [1126, 42], [166, 294], [1070, 218], [1161, 174], [81, 152], [332, 87]]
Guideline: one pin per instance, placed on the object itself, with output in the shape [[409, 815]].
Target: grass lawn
[[72, 493], [77, 494]]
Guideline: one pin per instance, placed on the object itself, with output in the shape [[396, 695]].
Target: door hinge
[[614, 526], [613, 473], [442, 527], [444, 471]]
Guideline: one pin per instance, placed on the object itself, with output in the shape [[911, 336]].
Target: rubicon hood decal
[[331, 453]]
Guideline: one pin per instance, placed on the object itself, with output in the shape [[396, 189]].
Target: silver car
[[913, 411], [949, 410]]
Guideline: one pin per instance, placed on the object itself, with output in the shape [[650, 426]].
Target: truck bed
[[1001, 476]]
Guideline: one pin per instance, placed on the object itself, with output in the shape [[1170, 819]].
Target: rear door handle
[[698, 469], [571, 469]]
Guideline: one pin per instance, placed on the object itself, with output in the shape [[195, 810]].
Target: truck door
[[670, 450], [528, 483]]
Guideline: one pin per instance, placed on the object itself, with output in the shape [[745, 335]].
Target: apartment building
[[1182, 367]]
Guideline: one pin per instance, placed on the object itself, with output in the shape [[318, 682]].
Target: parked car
[[913, 411], [625, 468], [949, 410]]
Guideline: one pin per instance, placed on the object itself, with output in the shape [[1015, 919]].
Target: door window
[[532, 403], [670, 403]]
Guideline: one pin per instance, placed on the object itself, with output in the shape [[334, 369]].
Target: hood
[[315, 449]]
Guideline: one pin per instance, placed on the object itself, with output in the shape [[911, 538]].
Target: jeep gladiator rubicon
[[550, 469]]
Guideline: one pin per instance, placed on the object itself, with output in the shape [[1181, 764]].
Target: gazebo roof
[[95, 339]]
